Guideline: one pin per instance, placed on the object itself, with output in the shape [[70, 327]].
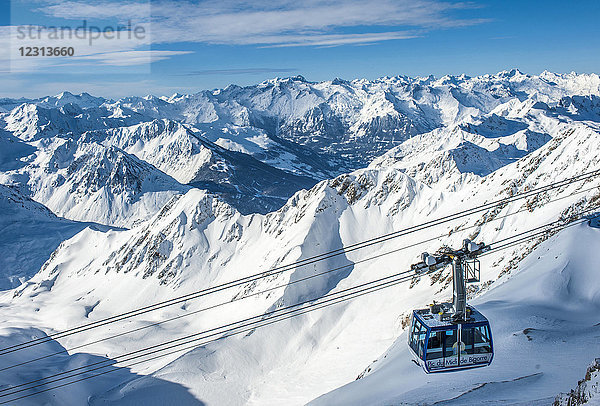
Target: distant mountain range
[[129, 202]]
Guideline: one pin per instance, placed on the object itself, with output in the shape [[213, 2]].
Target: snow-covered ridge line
[[330, 116], [257, 145]]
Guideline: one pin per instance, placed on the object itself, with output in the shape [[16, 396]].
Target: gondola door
[[451, 348]]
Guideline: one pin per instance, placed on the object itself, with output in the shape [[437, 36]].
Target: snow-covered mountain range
[[157, 197]]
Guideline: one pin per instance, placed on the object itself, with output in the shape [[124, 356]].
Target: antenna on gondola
[[464, 328]]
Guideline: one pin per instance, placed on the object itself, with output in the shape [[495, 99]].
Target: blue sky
[[195, 45]]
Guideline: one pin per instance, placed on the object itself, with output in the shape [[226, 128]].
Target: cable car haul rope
[[447, 336]]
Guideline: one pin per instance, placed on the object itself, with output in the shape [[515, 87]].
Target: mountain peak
[[298, 78], [514, 72]]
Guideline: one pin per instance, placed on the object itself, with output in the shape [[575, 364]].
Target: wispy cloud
[[270, 23], [259, 23], [240, 71], [101, 52], [330, 40], [77, 9], [131, 57]]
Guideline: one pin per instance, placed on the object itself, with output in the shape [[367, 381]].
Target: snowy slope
[[545, 328], [12, 151], [86, 181], [509, 132], [197, 241], [274, 151], [181, 151], [31, 122], [245, 182], [30, 233], [475, 140]]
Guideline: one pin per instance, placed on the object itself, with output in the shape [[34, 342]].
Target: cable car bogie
[[451, 336]]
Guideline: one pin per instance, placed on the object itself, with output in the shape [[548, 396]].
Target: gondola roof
[[432, 318]]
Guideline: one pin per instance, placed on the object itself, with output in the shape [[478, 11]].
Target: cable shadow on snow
[[98, 383]]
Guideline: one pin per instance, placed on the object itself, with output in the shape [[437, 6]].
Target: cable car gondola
[[440, 344], [452, 336]]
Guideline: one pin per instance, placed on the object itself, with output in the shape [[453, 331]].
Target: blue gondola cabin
[[439, 344]]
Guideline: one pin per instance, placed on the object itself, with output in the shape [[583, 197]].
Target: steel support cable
[[253, 325], [227, 302], [249, 323], [304, 311], [306, 261], [535, 235], [576, 218], [278, 286]]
